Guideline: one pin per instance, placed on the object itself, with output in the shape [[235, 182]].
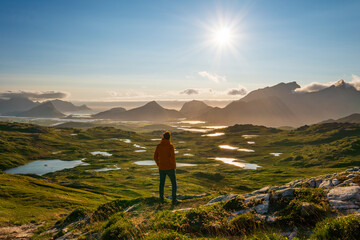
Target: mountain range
[[24, 107], [151, 111], [279, 105]]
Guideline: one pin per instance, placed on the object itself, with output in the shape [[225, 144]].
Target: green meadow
[[305, 152]]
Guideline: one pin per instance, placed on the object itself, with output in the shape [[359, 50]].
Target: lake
[[41, 167]]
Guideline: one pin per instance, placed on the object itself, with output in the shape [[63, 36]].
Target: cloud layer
[[34, 95], [190, 91], [316, 86], [212, 77], [240, 91]]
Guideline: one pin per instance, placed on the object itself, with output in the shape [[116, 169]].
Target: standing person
[[164, 157]]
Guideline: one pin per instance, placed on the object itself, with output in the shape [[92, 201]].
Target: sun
[[223, 36]]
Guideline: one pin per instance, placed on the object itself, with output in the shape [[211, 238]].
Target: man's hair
[[166, 135]]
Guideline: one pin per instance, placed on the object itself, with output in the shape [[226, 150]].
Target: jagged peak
[[152, 104], [340, 83]]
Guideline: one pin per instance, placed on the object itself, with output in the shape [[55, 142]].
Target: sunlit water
[[276, 154], [228, 147], [245, 150], [138, 146], [140, 150], [188, 155], [107, 169], [156, 139], [200, 130], [250, 142], [105, 154], [41, 167], [215, 127], [249, 136], [152, 163], [213, 134], [193, 122], [233, 161]]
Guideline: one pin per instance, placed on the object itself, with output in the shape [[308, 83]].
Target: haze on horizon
[[167, 50]]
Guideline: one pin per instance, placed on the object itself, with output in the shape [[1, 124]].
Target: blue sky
[[144, 50]]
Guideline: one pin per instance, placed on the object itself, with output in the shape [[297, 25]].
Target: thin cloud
[[237, 91], [355, 82], [313, 87], [34, 95], [190, 91], [212, 77]]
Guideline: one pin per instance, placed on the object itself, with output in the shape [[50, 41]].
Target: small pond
[[228, 147], [250, 142], [41, 167], [140, 150], [276, 154], [217, 134], [245, 150], [233, 161], [105, 154], [249, 136], [106, 169]]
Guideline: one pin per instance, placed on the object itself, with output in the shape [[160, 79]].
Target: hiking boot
[[176, 202]]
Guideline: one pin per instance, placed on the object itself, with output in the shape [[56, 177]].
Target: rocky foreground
[[292, 210]]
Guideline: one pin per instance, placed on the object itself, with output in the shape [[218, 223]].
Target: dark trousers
[[172, 175]]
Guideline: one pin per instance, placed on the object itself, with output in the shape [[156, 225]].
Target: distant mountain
[[109, 114], [268, 111], [353, 118], [44, 110], [286, 107], [151, 111], [64, 106], [17, 104], [194, 109]]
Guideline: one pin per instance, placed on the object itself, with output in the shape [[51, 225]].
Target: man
[[164, 157]]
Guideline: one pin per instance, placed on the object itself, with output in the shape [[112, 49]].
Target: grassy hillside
[[307, 151]]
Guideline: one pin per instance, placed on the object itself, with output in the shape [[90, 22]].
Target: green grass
[[326, 148]]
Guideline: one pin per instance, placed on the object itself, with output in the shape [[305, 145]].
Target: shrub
[[121, 229], [166, 236], [236, 203], [345, 228], [266, 236], [244, 224]]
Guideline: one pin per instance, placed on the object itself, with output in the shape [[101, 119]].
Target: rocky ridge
[[340, 192]]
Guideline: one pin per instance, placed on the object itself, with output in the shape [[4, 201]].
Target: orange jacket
[[164, 155]]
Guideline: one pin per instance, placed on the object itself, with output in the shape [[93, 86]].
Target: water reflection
[[233, 161], [213, 134], [105, 154], [41, 167], [228, 147]]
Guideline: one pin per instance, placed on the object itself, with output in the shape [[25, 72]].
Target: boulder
[[350, 175], [326, 184], [285, 193], [221, 198], [185, 197], [344, 193], [262, 208]]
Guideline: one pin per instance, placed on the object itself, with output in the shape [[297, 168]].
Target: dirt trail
[[18, 232]]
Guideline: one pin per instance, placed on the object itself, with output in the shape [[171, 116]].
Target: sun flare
[[223, 36]]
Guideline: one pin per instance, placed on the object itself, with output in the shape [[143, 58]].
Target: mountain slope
[[16, 105], [194, 109], [64, 106], [151, 111], [45, 110], [269, 111], [109, 114]]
